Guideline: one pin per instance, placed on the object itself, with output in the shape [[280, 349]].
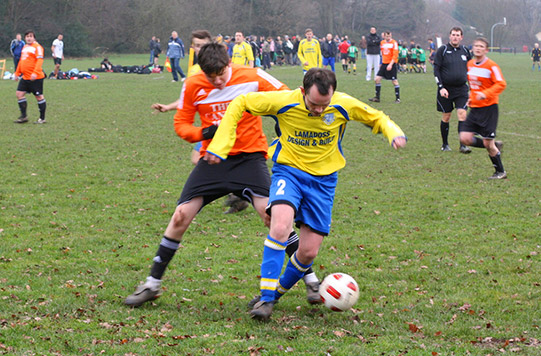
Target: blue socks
[[271, 267], [294, 271]]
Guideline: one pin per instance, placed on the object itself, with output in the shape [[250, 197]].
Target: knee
[[179, 217], [280, 231], [307, 256]]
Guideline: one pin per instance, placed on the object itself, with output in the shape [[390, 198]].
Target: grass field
[[446, 260]]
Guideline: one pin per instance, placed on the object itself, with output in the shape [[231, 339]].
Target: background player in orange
[[388, 68], [486, 84], [208, 93], [31, 68]]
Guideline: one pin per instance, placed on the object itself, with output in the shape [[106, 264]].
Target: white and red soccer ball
[[339, 291]]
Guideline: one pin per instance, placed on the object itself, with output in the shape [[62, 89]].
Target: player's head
[[239, 37], [388, 36], [174, 34], [200, 38], [29, 36], [318, 87], [373, 30], [536, 45], [60, 37], [455, 36], [309, 34], [18, 37], [480, 47], [214, 62]]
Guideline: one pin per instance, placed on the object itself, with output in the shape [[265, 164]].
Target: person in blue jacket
[[175, 51], [16, 47]]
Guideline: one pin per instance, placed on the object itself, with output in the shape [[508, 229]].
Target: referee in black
[[451, 74]]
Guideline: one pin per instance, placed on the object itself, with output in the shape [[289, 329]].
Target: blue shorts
[[310, 196]]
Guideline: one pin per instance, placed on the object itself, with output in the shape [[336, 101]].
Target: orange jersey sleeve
[[485, 77], [31, 62], [199, 96], [389, 51]]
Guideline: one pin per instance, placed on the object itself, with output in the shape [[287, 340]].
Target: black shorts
[[351, 60], [401, 61], [344, 56], [31, 86], [244, 175], [482, 121], [387, 74], [57, 60], [458, 97]]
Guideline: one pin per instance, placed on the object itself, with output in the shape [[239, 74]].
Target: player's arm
[[52, 50], [319, 56], [249, 55], [184, 119], [38, 68], [499, 84], [257, 103], [377, 120], [300, 53]]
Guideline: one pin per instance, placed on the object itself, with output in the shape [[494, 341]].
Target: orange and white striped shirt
[[485, 77], [389, 51], [31, 61], [199, 95]]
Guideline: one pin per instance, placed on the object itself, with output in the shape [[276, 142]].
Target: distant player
[[536, 57], [486, 84], [389, 67], [309, 52], [242, 51], [31, 68], [353, 55], [57, 50]]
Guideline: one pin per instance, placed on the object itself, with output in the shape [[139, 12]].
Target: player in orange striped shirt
[[389, 66], [245, 173], [30, 68], [486, 84]]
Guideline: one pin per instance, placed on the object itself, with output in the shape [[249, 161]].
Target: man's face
[[239, 37], [329, 37], [388, 37], [60, 37], [315, 102], [29, 39], [220, 80], [309, 35], [536, 45], [455, 38], [197, 43], [480, 49], [174, 34], [373, 30], [18, 37]]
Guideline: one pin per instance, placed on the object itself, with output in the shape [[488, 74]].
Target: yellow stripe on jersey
[[311, 144]]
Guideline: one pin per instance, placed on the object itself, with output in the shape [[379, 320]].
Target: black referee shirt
[[451, 65]]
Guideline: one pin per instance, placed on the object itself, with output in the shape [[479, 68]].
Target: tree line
[[95, 27]]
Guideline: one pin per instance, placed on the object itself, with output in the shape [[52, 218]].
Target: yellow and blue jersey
[[310, 51], [242, 54], [312, 144]]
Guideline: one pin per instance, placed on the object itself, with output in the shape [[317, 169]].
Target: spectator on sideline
[[175, 51], [15, 48], [536, 57], [152, 47], [328, 51], [373, 42]]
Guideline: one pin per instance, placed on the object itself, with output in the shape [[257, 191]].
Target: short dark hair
[[482, 39], [30, 32], [213, 58], [457, 29], [323, 78], [308, 30], [201, 34]]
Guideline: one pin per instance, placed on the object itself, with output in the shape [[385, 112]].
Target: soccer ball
[[339, 291]]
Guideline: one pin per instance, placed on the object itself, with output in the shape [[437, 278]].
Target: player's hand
[[211, 159], [306, 64], [389, 67], [158, 108], [481, 96], [399, 142], [444, 93], [33, 76]]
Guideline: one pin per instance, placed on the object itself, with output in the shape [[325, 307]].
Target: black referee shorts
[[244, 175], [458, 97]]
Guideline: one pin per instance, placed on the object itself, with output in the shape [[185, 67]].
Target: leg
[[396, 90], [21, 100], [174, 64], [181, 219], [42, 105], [495, 158], [444, 129], [462, 114]]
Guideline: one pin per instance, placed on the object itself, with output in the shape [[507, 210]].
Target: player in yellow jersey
[[309, 52], [242, 51], [312, 121]]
